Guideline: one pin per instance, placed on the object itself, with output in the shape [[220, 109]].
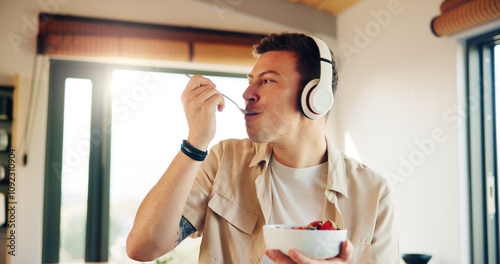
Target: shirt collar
[[263, 153], [337, 179]]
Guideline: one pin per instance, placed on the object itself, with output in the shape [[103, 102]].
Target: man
[[285, 173]]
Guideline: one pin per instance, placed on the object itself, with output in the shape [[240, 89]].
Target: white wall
[[395, 86], [397, 103]]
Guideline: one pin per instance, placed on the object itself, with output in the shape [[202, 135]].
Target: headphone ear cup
[[317, 96], [306, 100]]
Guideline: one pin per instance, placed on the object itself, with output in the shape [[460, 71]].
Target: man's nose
[[250, 94]]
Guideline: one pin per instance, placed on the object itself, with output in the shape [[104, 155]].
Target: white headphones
[[317, 95]]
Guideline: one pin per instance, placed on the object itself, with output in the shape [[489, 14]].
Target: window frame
[[98, 194], [98, 204], [481, 147]]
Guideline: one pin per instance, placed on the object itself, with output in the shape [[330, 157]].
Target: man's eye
[[267, 80]]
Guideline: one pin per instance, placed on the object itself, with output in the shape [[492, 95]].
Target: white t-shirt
[[297, 195]]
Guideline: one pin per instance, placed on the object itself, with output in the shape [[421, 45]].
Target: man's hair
[[306, 51]]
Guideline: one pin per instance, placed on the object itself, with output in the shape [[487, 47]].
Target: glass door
[[75, 173], [148, 128], [111, 133], [76, 189], [483, 73]]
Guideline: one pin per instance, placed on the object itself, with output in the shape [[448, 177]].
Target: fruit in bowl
[[310, 240]]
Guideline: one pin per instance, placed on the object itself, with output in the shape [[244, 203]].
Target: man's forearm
[[156, 228]]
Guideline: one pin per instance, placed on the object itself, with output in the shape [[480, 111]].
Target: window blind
[[459, 15], [81, 36]]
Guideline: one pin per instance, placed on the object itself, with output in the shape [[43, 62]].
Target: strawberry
[[327, 225], [320, 225], [316, 223]]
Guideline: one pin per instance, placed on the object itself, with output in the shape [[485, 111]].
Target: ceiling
[[312, 16], [334, 7]]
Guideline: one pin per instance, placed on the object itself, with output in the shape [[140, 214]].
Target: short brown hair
[[306, 50]]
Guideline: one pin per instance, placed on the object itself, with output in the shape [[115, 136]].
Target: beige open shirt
[[231, 200]]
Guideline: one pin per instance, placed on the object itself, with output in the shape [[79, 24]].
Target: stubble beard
[[266, 134]]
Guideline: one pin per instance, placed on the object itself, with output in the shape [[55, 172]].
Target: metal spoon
[[245, 112]]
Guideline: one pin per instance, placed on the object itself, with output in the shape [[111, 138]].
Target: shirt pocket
[[238, 217], [362, 253]]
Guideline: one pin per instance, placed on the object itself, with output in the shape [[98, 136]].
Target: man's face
[[273, 93]]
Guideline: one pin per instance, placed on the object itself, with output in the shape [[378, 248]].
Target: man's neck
[[303, 153]]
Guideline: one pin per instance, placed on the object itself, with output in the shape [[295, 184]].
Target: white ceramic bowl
[[320, 244]]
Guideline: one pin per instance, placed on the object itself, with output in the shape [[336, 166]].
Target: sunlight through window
[[74, 182], [148, 128]]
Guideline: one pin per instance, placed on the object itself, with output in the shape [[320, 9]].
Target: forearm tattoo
[[185, 229]]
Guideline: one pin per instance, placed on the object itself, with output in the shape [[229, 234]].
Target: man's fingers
[[298, 257], [200, 99], [200, 90], [216, 100], [343, 257], [198, 81], [208, 94], [347, 249], [277, 257], [196, 85]]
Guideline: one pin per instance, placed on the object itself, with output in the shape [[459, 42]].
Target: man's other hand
[[294, 256]]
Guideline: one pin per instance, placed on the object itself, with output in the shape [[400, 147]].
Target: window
[[74, 178], [121, 127], [483, 69]]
